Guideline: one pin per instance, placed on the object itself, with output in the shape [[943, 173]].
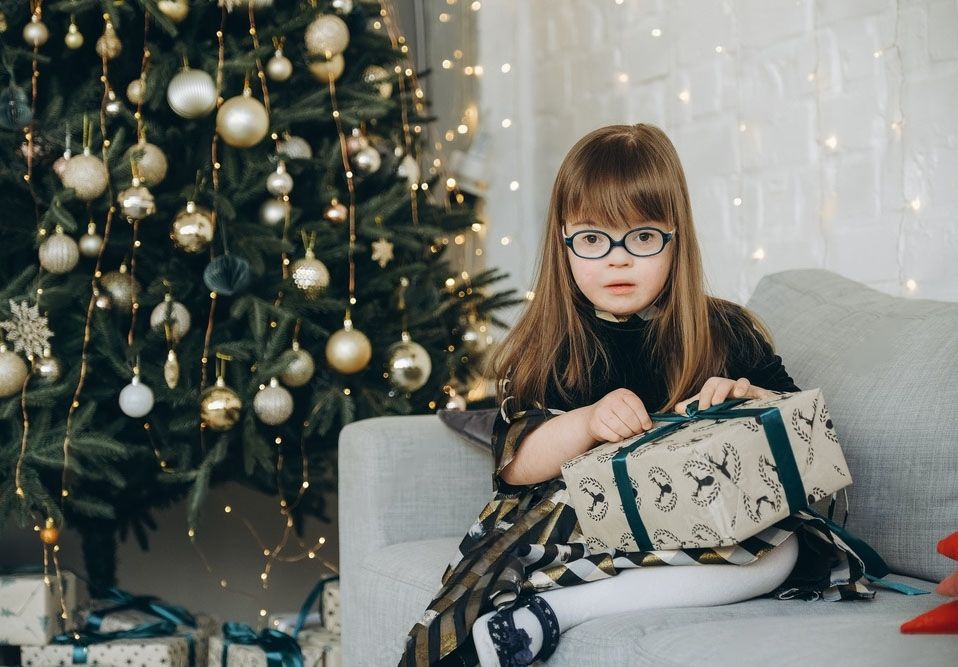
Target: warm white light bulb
[[685, 96], [911, 285], [916, 203], [656, 32], [507, 122], [759, 254], [506, 68], [737, 201]]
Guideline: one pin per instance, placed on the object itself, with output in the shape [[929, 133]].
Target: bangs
[[615, 185]]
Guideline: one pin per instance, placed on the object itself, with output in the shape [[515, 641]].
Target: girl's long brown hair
[[620, 174]]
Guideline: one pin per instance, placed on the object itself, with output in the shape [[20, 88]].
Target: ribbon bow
[[83, 639], [310, 601], [281, 649], [149, 604]]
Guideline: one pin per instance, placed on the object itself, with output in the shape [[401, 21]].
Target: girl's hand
[[618, 415], [718, 389]]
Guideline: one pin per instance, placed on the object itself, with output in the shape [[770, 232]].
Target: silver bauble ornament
[[279, 67], [273, 212], [367, 160], [328, 70], [193, 228], [220, 407], [409, 364], [136, 399], [279, 182], [179, 318], [137, 202], [300, 369], [273, 404], [122, 287], [175, 10], [13, 371], [342, 6], [36, 33], [310, 275], [150, 162], [46, 367], [242, 121], [109, 45], [136, 91], [378, 76], [74, 38], [336, 212], [59, 253], [348, 350], [91, 242], [191, 93], [455, 402], [171, 369], [295, 148], [327, 35], [87, 175]]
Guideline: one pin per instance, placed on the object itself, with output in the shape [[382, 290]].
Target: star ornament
[[27, 329], [382, 252]]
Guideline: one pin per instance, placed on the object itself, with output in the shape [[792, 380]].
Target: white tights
[[646, 588]]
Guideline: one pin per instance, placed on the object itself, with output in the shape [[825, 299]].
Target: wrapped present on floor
[[708, 478], [325, 640], [121, 610], [146, 645], [326, 593], [30, 606], [241, 646]]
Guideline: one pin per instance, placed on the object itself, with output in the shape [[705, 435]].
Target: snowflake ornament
[[27, 329], [382, 252]]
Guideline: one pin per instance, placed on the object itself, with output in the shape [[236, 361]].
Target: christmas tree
[[220, 249]]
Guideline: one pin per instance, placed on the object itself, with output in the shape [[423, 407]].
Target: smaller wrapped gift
[[327, 641], [30, 607], [709, 478], [326, 593], [241, 646], [144, 646]]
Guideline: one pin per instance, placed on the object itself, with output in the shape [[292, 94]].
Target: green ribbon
[[281, 649], [83, 639], [310, 601], [771, 420], [123, 601]]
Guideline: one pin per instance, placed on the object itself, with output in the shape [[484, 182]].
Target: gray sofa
[[410, 486]]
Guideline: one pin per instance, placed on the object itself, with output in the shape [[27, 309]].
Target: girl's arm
[[555, 441]]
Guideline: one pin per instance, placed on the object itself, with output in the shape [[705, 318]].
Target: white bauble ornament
[[300, 369], [36, 33], [59, 253], [273, 404], [46, 367], [409, 169], [136, 399], [310, 275], [327, 35], [328, 70], [409, 364], [136, 91], [279, 67], [191, 93], [13, 371], [348, 350], [295, 148], [242, 121], [279, 182], [273, 212], [136, 201], [74, 38], [367, 160], [179, 318], [378, 76], [175, 10], [193, 228], [86, 174], [150, 162], [91, 242]]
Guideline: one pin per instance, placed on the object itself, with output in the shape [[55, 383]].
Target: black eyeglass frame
[[666, 238]]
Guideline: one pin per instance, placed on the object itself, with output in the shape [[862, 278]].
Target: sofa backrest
[[888, 369]]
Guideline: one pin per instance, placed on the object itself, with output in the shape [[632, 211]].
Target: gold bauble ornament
[[59, 253], [136, 91], [175, 10], [279, 67], [109, 45], [409, 364], [476, 337], [137, 202], [327, 35], [50, 534], [193, 228], [46, 367], [336, 212], [171, 369], [74, 38], [242, 121], [348, 350], [122, 287], [220, 407], [310, 275], [13, 371], [191, 93], [273, 212], [86, 174], [378, 76], [178, 314], [300, 369], [150, 163], [36, 33], [273, 404], [328, 70]]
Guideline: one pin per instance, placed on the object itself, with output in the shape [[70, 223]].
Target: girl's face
[[620, 283]]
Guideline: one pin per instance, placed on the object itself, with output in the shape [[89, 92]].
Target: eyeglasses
[[640, 242]]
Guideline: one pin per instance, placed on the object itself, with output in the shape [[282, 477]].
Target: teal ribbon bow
[[281, 649], [310, 601], [149, 604], [771, 420], [83, 639]]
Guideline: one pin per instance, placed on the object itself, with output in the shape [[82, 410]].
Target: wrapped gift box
[[327, 617], [30, 608], [324, 639], [170, 651], [708, 479], [249, 655]]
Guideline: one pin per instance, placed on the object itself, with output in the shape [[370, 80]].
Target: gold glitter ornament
[[193, 228], [220, 407], [327, 35], [109, 45], [310, 275], [348, 350], [86, 174]]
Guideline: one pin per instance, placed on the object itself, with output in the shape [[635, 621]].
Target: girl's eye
[[591, 238]]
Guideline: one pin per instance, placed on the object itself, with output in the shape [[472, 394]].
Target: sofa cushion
[[886, 366]]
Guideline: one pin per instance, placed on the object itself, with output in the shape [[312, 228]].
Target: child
[[620, 327]]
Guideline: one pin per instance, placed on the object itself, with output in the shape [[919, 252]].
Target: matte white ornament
[[136, 399], [242, 121], [59, 253], [273, 404]]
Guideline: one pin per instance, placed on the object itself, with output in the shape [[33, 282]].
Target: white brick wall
[[824, 178]]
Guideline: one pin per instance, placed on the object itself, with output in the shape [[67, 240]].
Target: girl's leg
[[645, 588]]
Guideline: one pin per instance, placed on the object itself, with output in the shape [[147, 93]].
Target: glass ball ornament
[[295, 148], [36, 33], [273, 212], [59, 253], [193, 228], [379, 77], [455, 402], [279, 67], [409, 364], [15, 111], [136, 91], [227, 274], [242, 121], [300, 370], [476, 337], [13, 371], [327, 35], [46, 367], [109, 45], [273, 404], [336, 212], [367, 160], [91, 242], [191, 93], [328, 70], [136, 399], [348, 350], [74, 38], [175, 10], [149, 161], [220, 407], [86, 175], [310, 275], [179, 318], [136, 201], [122, 288], [279, 182], [50, 534]]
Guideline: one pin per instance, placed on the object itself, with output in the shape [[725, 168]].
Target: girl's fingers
[[635, 405], [741, 388]]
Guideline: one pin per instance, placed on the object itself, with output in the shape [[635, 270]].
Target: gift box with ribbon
[[326, 594], [241, 646], [30, 606], [708, 478], [146, 645]]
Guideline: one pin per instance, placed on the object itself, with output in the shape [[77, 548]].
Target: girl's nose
[[619, 256]]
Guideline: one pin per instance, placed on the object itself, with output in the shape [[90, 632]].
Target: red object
[[949, 546], [942, 620], [948, 585]]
